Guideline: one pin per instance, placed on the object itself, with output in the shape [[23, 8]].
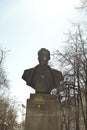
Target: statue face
[[43, 59]]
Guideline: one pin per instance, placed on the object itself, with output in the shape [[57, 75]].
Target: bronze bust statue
[[42, 77]]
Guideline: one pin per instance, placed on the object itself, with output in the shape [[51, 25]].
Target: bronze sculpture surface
[[42, 77]]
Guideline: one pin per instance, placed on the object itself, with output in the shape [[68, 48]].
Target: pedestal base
[[43, 113]]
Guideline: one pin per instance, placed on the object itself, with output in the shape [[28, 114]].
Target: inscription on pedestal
[[42, 113]]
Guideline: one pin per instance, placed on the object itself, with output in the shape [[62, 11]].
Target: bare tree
[[8, 114], [82, 5], [3, 76], [74, 62], [8, 110]]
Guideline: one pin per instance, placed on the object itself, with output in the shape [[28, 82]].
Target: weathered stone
[[43, 113]]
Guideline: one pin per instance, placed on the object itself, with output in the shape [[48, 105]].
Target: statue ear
[[49, 58]]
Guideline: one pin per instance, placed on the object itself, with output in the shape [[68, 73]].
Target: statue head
[[43, 56]]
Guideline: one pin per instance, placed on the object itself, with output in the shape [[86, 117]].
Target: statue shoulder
[[58, 74], [30, 70], [28, 73], [57, 71]]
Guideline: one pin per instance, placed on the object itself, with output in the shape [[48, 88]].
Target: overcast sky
[[25, 27]]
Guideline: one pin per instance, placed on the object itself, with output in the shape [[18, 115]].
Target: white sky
[[25, 27]]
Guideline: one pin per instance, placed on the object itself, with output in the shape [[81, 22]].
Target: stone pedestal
[[43, 113]]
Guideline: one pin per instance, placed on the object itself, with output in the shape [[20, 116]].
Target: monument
[[42, 111]]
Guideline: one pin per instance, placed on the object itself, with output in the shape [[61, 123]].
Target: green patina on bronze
[[38, 100]]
